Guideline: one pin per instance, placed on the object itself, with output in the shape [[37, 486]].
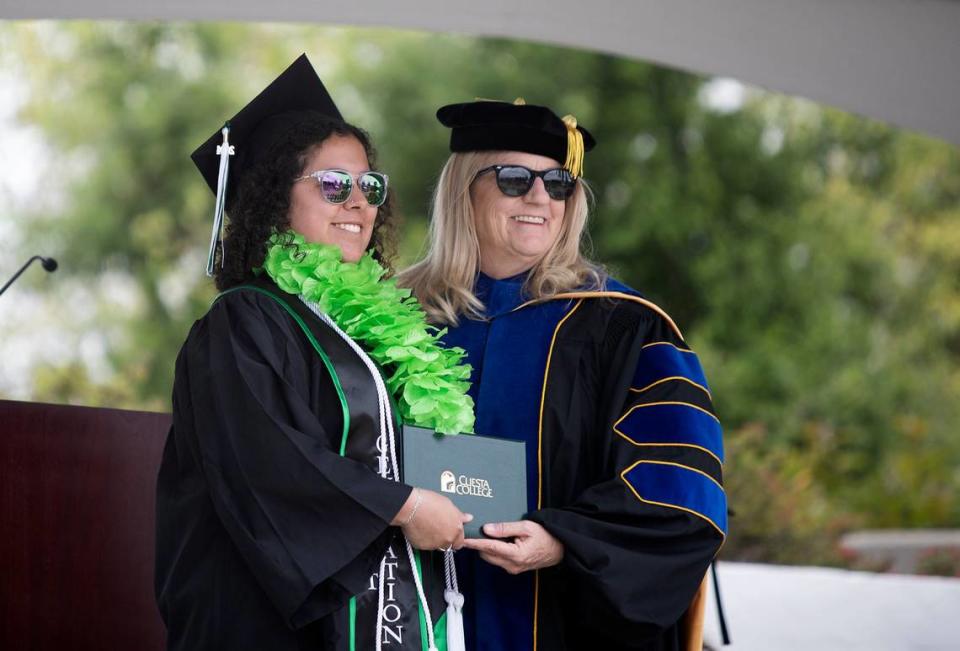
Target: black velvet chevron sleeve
[[633, 483]]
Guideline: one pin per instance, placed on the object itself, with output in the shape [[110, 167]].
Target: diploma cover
[[483, 475]]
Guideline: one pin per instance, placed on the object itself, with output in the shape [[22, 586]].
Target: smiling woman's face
[[348, 225], [514, 232]]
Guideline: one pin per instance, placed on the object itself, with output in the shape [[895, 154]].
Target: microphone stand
[[49, 264]]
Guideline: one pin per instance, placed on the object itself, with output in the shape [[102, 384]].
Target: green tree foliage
[[811, 257]]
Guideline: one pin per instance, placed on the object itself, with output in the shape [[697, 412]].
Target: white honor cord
[[386, 425], [456, 640], [225, 151]]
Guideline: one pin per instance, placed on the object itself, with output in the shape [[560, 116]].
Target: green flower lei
[[428, 381]]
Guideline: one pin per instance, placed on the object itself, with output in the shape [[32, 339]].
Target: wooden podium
[[77, 494]]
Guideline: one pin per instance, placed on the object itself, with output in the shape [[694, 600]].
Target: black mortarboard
[[486, 125], [251, 131]]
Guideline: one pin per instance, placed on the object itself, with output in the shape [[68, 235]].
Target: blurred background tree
[[812, 257]]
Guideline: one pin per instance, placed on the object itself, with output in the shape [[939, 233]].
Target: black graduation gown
[[624, 458], [264, 531]]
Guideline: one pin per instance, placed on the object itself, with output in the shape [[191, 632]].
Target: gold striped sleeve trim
[[623, 477], [674, 377], [670, 445], [667, 402], [667, 343], [666, 444]]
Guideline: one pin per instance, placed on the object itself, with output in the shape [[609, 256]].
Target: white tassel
[[225, 151], [456, 640], [455, 636]]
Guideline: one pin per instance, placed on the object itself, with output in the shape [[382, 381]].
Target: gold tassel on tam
[[574, 162]]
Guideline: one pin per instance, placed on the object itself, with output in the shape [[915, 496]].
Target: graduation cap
[[486, 125], [249, 133]]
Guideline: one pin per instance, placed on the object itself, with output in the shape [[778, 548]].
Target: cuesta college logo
[[463, 485], [448, 483]]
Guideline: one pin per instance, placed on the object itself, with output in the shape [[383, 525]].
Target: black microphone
[[48, 263]]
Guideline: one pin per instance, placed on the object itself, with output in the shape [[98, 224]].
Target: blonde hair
[[443, 281]]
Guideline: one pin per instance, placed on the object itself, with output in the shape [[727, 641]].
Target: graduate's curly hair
[[261, 204]]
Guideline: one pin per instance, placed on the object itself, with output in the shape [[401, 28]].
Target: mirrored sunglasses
[[337, 185], [516, 180]]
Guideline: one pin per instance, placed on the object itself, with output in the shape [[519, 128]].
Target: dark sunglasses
[[336, 185], [516, 180]]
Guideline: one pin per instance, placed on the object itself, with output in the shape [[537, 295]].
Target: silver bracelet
[[416, 505]]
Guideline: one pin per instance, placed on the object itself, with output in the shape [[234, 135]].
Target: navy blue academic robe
[[624, 463]]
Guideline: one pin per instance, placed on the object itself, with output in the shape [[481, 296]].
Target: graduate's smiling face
[[514, 233], [348, 225]]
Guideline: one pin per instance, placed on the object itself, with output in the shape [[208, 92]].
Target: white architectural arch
[[895, 60]]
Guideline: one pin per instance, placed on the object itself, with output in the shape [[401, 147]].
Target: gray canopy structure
[[895, 60]]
